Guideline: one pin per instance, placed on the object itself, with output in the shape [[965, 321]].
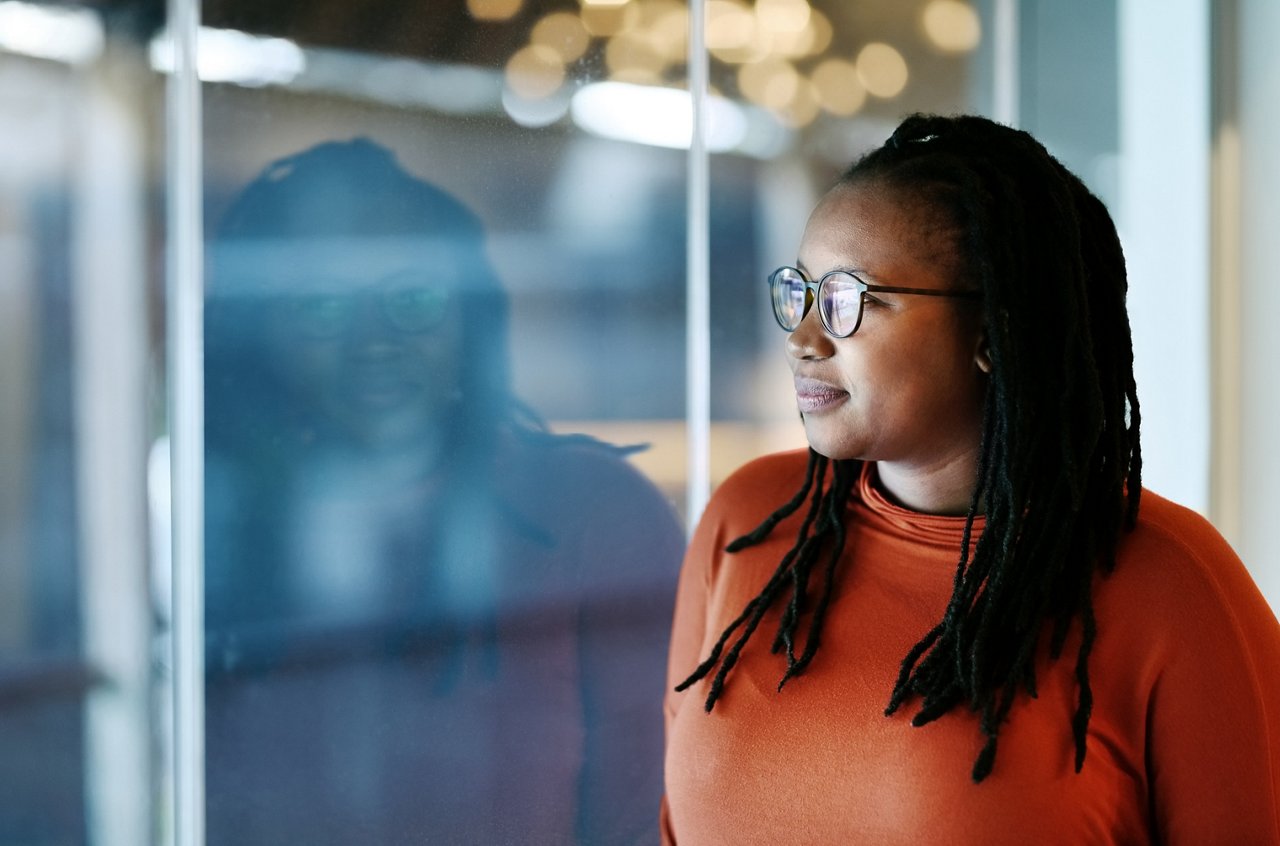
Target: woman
[[967, 515]]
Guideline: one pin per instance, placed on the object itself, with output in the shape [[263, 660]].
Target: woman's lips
[[813, 396]]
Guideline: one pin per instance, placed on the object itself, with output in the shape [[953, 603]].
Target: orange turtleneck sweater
[[1183, 743]]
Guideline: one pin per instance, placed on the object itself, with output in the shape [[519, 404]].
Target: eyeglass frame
[[813, 294], [384, 296]]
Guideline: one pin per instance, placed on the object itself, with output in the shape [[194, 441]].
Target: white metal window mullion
[[110, 363], [1005, 40], [186, 418], [698, 284]]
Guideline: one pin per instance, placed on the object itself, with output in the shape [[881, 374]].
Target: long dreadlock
[[1059, 469]]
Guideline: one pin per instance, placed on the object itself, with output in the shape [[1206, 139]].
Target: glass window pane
[[444, 399], [41, 634], [75, 222]]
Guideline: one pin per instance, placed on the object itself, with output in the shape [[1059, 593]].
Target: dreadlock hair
[[1059, 469]]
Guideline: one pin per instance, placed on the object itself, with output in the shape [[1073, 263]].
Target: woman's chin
[[829, 444]]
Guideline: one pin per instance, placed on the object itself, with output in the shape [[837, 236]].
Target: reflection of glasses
[[408, 310], [840, 295]]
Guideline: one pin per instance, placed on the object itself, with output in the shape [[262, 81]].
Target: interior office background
[[565, 126]]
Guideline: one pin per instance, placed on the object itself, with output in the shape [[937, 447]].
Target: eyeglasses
[[412, 311], [839, 294]]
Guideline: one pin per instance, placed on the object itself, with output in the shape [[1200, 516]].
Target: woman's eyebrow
[[855, 271], [852, 270]]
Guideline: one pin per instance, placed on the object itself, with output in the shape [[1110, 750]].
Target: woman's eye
[[321, 317], [416, 310]]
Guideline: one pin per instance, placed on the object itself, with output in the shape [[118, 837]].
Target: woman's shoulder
[[750, 494], [1176, 565], [568, 464], [1187, 650], [1164, 522], [582, 479], [1178, 541], [768, 480]]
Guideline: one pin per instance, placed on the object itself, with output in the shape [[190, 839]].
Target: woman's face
[[907, 388], [379, 358]]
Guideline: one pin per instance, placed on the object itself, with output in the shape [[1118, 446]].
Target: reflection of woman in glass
[[428, 617], [965, 569]]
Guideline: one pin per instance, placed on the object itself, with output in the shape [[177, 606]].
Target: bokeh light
[[535, 72], [636, 76], [653, 10], [836, 87], [801, 107], [564, 33], [667, 24], [645, 42], [812, 39], [782, 16], [534, 114], [823, 32], [951, 26], [770, 82], [606, 20], [731, 32], [882, 70], [494, 10], [633, 53]]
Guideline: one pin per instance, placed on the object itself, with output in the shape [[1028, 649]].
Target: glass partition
[[444, 326], [445, 423]]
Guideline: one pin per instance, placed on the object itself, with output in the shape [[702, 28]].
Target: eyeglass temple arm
[[930, 292]]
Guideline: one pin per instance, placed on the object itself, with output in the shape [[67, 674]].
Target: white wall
[[1199, 215], [1163, 218], [1256, 537]]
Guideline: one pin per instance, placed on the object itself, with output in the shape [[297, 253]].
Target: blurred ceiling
[[918, 63], [441, 30]]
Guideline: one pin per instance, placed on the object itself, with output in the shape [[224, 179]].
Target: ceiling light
[[661, 117], [227, 55], [66, 35]]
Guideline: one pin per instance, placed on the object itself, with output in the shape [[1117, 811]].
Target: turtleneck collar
[[935, 530]]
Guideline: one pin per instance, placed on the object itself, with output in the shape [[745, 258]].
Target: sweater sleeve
[[738, 505], [1213, 724], [689, 626]]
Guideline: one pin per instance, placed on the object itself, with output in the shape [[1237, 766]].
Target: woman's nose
[[810, 341]]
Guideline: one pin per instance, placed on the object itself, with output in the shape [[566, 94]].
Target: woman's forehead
[[298, 266], [882, 231]]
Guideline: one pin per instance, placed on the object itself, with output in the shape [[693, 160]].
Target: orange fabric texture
[[1183, 743]]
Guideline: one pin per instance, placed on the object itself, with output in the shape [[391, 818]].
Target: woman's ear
[[982, 355]]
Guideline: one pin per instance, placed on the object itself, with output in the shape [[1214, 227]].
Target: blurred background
[[446, 345]]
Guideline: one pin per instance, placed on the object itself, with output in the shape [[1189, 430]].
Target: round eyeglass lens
[[416, 310], [788, 297], [841, 304]]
